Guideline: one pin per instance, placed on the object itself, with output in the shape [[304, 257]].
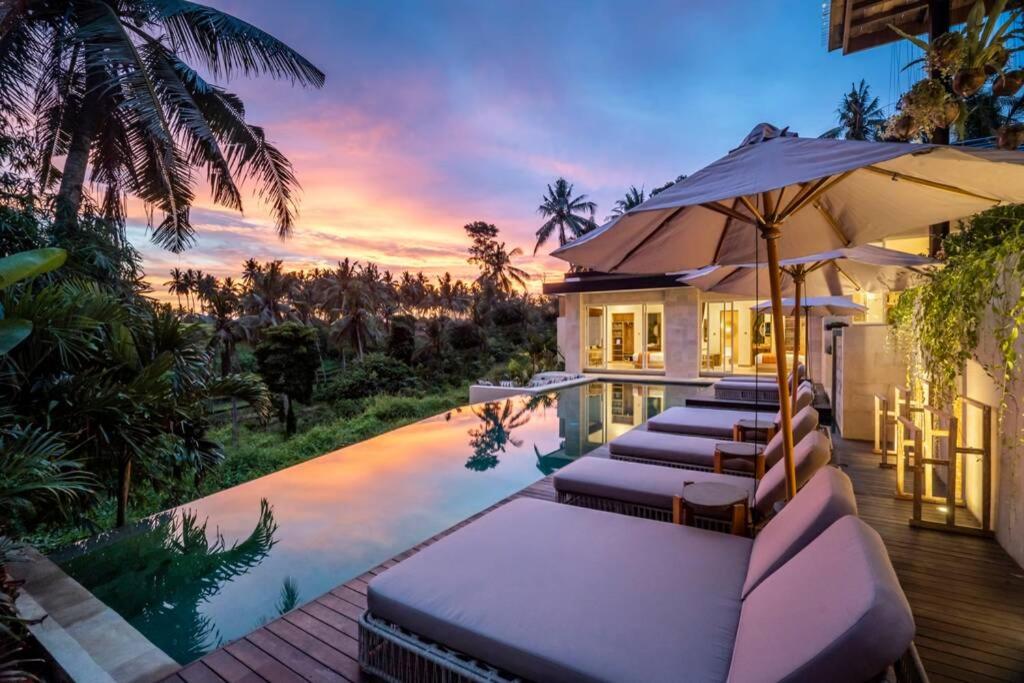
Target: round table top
[[755, 424], [739, 449], [712, 494]]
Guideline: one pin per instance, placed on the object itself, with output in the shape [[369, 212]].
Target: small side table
[[712, 499], [764, 428], [740, 450]]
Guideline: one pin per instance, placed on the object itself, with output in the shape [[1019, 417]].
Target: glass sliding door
[[625, 337]]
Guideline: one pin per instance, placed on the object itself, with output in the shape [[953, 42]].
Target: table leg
[[718, 461], [739, 519], [758, 466]]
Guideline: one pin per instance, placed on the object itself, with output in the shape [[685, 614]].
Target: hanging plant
[[930, 105], [977, 292], [969, 56], [900, 127]]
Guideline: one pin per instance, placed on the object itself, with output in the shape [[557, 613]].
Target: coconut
[[1008, 83], [1010, 136], [968, 81], [902, 126]]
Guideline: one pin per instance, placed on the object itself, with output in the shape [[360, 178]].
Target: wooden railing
[[931, 445]]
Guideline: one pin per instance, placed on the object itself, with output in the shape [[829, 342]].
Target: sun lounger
[[742, 390], [717, 423], [644, 490], [548, 592], [641, 444]]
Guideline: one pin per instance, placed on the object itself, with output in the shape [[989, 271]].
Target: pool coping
[[85, 638]]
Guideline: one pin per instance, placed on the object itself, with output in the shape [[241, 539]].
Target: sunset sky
[[436, 114]]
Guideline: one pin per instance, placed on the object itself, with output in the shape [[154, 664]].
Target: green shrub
[[401, 342], [376, 373], [465, 335]]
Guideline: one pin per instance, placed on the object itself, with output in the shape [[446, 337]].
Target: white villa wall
[[1007, 478], [568, 331], [869, 366]]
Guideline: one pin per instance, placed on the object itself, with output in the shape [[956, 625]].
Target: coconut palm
[[358, 324], [570, 216], [498, 268], [633, 199], [111, 89], [177, 285], [859, 114]]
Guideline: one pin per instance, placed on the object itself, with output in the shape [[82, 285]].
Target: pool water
[[198, 576]]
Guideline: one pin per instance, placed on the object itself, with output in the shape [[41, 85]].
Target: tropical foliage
[[567, 215], [633, 199], [859, 115], [116, 89], [980, 288]]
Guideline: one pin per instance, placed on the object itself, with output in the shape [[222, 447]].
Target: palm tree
[[177, 285], [565, 213], [358, 325], [859, 114], [633, 199], [501, 272], [110, 89]]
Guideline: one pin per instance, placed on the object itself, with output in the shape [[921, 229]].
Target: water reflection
[[161, 573], [494, 435]]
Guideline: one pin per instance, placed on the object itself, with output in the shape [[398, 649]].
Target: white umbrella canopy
[[820, 305], [802, 196], [832, 273], [834, 194]]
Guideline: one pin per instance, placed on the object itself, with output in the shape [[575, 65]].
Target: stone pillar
[[682, 333], [568, 330]]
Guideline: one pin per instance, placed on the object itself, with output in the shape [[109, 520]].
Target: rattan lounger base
[[399, 656], [679, 465]]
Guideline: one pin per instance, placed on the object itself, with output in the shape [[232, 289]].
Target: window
[[625, 337]]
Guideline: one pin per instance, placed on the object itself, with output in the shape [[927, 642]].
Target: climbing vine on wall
[[978, 292]]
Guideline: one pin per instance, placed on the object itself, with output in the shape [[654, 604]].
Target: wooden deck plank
[[966, 592]]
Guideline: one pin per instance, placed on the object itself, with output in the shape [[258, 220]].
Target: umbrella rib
[[848, 276], [725, 229], [896, 175], [725, 210], [650, 235], [819, 188], [753, 210], [830, 219]]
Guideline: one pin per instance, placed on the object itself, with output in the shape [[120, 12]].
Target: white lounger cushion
[[811, 454], [826, 497], [804, 422], [553, 593], [717, 423], [835, 612], [633, 482]]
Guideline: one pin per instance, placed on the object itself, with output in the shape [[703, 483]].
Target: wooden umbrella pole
[[798, 281], [770, 233]]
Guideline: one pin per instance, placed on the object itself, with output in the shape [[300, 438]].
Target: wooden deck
[[966, 593]]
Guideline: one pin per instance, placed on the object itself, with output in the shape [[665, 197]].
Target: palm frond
[[226, 44]]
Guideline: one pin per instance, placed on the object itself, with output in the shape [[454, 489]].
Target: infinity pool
[[209, 572]]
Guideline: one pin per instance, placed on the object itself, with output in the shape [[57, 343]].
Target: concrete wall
[[568, 331], [1007, 477], [869, 366]]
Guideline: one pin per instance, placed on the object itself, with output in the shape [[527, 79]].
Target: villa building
[[628, 326]]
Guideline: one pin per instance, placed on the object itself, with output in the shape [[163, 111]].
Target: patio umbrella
[[801, 196], [831, 273]]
